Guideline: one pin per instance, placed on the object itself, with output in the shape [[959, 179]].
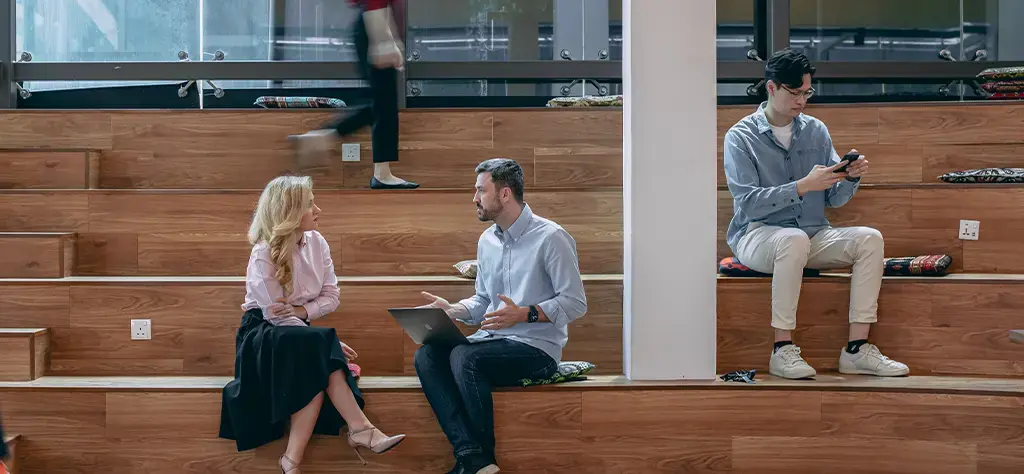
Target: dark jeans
[[382, 113], [458, 383]]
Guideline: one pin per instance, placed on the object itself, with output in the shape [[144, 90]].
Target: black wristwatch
[[532, 315]]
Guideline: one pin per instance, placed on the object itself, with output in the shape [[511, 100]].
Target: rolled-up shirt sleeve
[[476, 305], [562, 266]]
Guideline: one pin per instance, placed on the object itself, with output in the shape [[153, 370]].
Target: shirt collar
[[303, 240], [518, 228], [762, 120]]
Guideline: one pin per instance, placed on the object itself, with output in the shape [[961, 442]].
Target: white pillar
[[1010, 30], [670, 189]]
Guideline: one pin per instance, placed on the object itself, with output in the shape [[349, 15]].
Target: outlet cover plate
[[969, 230], [142, 329], [349, 152]]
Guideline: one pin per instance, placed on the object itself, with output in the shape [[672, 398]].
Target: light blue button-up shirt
[[762, 175], [534, 262]]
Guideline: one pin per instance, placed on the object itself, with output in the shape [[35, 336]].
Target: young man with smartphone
[[783, 172]]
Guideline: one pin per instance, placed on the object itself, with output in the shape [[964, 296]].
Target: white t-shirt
[[784, 134]]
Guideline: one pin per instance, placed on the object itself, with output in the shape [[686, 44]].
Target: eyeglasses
[[807, 94]]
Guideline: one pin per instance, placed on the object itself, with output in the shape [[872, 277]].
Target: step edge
[[979, 385]]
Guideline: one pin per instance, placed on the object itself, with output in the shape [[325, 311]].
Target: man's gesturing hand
[[819, 179], [436, 302], [506, 316]]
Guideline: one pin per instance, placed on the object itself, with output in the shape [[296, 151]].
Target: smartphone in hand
[[848, 158]]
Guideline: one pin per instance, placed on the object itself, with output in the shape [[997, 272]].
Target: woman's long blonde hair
[[276, 221]]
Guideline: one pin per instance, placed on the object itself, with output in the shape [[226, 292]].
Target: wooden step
[[51, 169], [960, 425], [371, 233], [213, 149], [36, 254], [23, 353], [11, 461], [194, 322], [958, 324]]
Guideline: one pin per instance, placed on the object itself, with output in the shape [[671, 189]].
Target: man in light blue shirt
[[528, 290], [783, 171]]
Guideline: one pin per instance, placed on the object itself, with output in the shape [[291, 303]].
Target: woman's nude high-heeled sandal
[[374, 440], [294, 469]]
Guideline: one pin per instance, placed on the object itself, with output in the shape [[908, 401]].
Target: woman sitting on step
[[283, 366]]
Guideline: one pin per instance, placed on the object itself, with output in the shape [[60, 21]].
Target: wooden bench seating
[[48, 169], [958, 324], [194, 321], [426, 232], [371, 233], [24, 353], [36, 254], [606, 424]]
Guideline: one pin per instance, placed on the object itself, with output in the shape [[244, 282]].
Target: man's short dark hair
[[504, 172], [787, 67]]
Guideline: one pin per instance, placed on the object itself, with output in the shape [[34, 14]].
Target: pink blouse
[[314, 284]]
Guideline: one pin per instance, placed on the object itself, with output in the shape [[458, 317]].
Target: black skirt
[[278, 371]]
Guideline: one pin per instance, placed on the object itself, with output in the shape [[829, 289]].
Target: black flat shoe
[[376, 184]]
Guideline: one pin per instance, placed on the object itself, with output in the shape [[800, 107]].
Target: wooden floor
[[604, 425]]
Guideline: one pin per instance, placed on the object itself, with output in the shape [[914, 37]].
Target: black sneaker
[[477, 464]]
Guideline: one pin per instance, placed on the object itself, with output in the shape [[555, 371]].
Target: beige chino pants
[[785, 252]]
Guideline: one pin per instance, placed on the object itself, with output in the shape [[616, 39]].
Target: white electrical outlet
[[969, 230], [142, 330], [349, 152]]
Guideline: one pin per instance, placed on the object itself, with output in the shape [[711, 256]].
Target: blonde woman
[[284, 366]]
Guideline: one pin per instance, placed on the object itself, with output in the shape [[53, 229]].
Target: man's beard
[[489, 215]]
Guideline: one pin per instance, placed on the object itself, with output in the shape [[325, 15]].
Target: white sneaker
[[870, 361], [787, 363]]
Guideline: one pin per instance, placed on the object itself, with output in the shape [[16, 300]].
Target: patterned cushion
[[1002, 73], [731, 266], [1004, 86], [567, 372], [925, 265], [269, 102], [587, 101], [466, 268], [985, 175], [356, 370]]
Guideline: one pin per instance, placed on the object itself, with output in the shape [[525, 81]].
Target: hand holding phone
[[848, 159]]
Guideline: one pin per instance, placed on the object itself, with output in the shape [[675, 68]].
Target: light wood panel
[[202, 232], [23, 353], [194, 325], [785, 455], [980, 124], [36, 255], [44, 211], [244, 149], [43, 170], [83, 130], [935, 327], [603, 429]]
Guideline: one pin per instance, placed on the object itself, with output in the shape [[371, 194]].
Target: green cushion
[[567, 372]]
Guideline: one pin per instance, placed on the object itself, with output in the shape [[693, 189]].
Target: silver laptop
[[429, 326]]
